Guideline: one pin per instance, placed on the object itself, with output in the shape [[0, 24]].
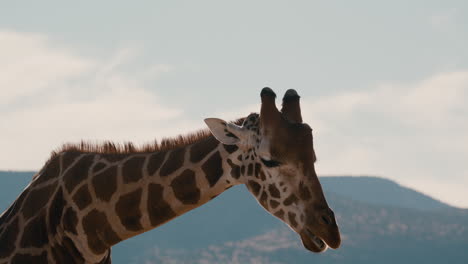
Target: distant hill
[[381, 222], [380, 191]]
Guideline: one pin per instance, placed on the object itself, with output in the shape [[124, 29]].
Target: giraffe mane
[[109, 147]]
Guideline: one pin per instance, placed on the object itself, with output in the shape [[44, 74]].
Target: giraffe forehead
[[251, 121], [264, 141]]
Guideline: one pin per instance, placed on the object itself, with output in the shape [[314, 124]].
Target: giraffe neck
[[173, 183], [139, 192], [81, 204]]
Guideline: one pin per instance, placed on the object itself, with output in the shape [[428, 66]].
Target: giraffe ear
[[226, 133]]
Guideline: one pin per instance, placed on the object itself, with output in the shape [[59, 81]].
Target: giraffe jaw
[[312, 242]]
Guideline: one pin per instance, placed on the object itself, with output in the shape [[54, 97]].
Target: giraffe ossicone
[[88, 198]]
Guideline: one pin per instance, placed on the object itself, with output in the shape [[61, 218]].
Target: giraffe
[[88, 198]]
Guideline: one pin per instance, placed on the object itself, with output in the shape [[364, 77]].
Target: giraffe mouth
[[312, 242]]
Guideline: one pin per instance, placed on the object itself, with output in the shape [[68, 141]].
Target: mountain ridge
[[378, 188], [370, 186], [233, 228]]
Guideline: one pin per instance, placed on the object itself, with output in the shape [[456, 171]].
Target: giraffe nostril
[[326, 220]]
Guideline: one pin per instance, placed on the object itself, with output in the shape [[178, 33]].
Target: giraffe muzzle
[[317, 237], [312, 242]]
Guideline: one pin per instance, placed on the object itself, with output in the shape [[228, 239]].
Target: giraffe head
[[277, 165]]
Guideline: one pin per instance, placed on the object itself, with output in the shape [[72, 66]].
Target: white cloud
[[413, 133], [30, 65], [50, 95]]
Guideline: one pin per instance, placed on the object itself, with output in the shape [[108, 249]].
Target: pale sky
[[383, 84]]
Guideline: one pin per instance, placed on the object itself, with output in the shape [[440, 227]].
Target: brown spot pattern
[[258, 168], [128, 210], [304, 192], [274, 192], [202, 148], [185, 187], [280, 214], [68, 158], [35, 233], [173, 162], [132, 170], [159, 210], [8, 239], [105, 183], [56, 211], [78, 173], [98, 166], [254, 187], [26, 258], [262, 176], [70, 220], [36, 200], [290, 200], [292, 219], [213, 168], [250, 169], [235, 169], [99, 232], [230, 148], [155, 162], [264, 200], [274, 204], [82, 198]]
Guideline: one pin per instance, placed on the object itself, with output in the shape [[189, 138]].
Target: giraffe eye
[[270, 163]]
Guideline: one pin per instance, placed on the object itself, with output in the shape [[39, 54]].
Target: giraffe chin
[[312, 242]]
